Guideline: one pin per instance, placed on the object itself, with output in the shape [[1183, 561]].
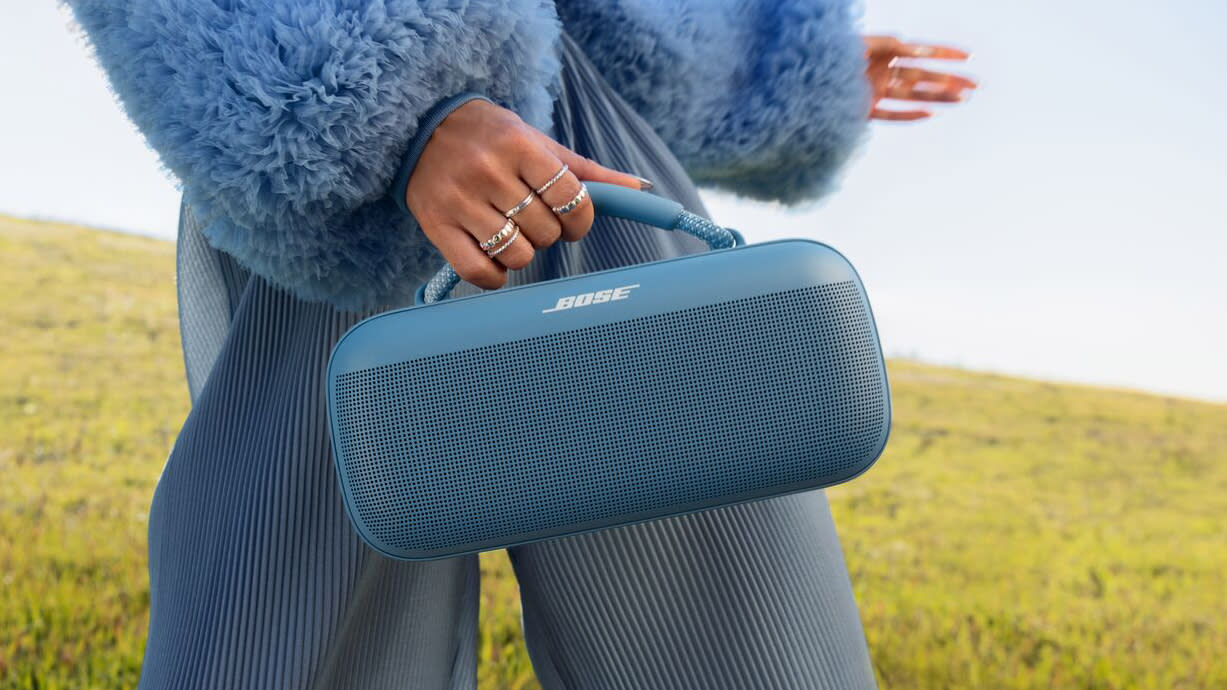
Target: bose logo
[[583, 300]]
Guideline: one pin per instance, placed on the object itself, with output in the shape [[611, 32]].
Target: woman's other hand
[[909, 83], [481, 162]]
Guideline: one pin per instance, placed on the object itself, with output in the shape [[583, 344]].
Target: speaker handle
[[616, 202]]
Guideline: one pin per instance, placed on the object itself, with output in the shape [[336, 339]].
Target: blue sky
[[1069, 222]]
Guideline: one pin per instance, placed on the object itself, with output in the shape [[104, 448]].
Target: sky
[[1069, 222]]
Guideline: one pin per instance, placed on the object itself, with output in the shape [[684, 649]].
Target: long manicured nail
[[645, 183]]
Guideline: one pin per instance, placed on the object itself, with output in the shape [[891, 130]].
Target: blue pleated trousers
[[258, 582]]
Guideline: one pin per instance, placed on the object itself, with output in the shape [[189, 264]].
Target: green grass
[[1017, 534]]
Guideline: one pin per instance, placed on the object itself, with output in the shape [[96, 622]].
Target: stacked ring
[[557, 176], [573, 203], [514, 236], [502, 234], [521, 206]]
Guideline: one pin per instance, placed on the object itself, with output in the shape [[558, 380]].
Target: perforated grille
[[610, 420]]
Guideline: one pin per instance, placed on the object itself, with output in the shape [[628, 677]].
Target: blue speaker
[[543, 410]]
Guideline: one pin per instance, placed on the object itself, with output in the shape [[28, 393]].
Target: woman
[[332, 155]]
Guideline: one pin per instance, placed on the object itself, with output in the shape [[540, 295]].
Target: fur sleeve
[[285, 121], [766, 98]]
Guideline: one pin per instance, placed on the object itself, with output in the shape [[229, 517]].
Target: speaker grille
[[631, 416]]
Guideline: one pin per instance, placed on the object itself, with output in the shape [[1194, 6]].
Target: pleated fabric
[[258, 580]]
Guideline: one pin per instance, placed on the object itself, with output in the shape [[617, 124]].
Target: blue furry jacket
[[286, 120]]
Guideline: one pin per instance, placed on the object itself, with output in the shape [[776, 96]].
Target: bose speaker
[[543, 410]]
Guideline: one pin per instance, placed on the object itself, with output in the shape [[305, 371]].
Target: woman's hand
[[483, 161], [902, 82]]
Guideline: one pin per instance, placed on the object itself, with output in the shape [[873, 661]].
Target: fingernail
[[645, 183]]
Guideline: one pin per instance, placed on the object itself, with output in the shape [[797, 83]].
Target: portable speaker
[[559, 407]]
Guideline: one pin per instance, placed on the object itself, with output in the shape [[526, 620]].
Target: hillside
[[1017, 534]]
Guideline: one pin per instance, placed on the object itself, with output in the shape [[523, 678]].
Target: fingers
[[917, 75], [899, 115], [539, 225], [538, 170], [890, 47], [914, 84], [483, 223], [923, 92], [578, 221], [587, 169], [930, 52]]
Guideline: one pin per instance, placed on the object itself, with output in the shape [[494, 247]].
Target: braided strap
[[439, 285], [715, 236]]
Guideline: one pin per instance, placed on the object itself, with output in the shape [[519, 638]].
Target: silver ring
[[514, 236], [557, 176], [521, 206], [573, 203], [500, 235]]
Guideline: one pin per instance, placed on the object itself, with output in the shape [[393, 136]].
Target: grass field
[[1017, 534]]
